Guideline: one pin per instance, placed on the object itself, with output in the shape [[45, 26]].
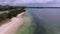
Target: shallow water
[[47, 20]]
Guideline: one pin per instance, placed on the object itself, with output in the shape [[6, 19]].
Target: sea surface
[[47, 20]]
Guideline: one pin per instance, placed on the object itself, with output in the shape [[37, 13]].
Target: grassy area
[[28, 26]]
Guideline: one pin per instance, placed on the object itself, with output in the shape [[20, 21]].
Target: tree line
[[11, 13]]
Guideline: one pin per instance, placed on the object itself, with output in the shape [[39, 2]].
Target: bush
[[12, 13], [3, 16]]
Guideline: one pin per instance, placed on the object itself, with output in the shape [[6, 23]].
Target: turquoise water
[[28, 26], [47, 20]]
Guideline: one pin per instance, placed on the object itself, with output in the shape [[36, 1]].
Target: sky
[[14, 2]]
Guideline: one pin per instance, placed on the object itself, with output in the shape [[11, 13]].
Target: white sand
[[12, 26]]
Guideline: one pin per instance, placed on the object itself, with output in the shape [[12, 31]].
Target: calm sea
[[47, 20]]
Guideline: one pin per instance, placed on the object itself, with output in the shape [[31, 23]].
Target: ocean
[[47, 20]]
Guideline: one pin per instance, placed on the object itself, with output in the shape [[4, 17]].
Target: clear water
[[47, 20]]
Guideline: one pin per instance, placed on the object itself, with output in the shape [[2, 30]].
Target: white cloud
[[32, 1], [13, 2], [43, 1]]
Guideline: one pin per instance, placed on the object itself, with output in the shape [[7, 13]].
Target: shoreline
[[14, 24]]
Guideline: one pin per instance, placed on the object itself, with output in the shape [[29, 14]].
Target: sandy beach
[[13, 25]]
